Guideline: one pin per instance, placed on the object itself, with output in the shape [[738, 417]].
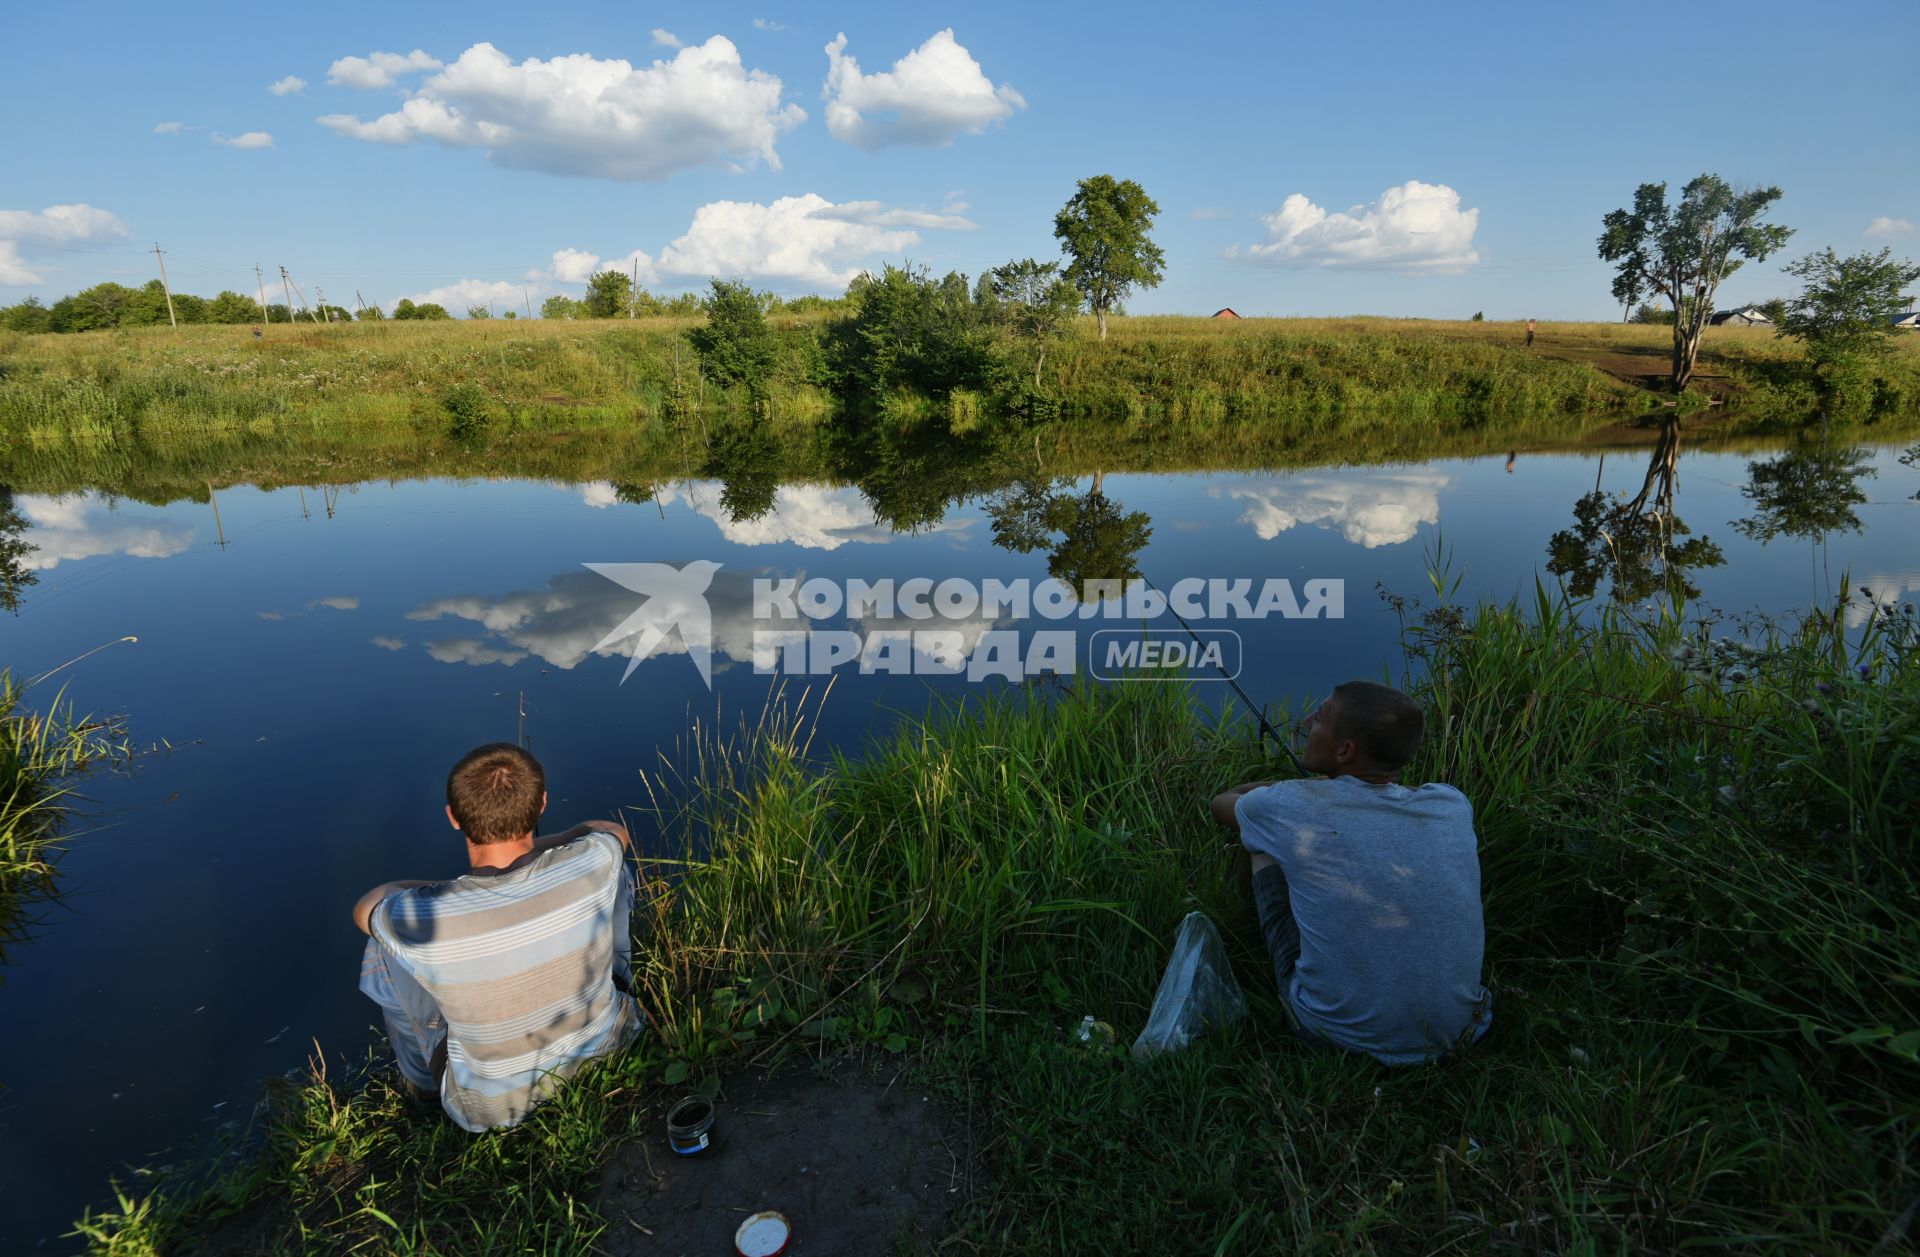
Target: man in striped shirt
[[498, 985]]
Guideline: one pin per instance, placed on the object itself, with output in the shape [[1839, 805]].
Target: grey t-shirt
[[1385, 886]]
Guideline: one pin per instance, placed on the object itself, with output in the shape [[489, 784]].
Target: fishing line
[[1266, 726]]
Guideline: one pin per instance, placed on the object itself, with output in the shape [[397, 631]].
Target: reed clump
[[1702, 911]]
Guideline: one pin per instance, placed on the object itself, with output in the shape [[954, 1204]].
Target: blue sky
[[1414, 160]]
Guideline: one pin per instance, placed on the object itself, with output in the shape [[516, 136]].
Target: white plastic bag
[[1196, 994]]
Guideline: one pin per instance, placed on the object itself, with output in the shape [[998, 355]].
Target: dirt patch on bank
[[859, 1163]]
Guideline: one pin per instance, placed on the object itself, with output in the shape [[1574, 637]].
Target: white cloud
[[292, 85], [80, 527], [473, 652], [1884, 228], [667, 39], [55, 225], [1416, 227], [382, 69], [1889, 590], [812, 517], [578, 115], [338, 602], [875, 214], [931, 95], [250, 139], [1383, 509], [767, 24], [802, 240], [170, 128], [390, 643], [573, 266], [599, 494], [502, 294]]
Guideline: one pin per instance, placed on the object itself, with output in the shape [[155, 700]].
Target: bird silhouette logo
[[676, 599]]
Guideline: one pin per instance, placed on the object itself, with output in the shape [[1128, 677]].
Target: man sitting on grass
[[1368, 891], [498, 985]]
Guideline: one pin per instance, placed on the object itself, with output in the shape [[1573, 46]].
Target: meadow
[[205, 379], [1702, 910]]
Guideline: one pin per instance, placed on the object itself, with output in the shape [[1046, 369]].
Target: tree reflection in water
[[1809, 491], [1088, 537], [1635, 544], [15, 575]]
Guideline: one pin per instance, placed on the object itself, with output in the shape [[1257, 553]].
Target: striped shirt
[[528, 966]]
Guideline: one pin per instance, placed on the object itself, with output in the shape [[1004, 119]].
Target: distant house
[[1745, 316], [1909, 320], [1225, 312]]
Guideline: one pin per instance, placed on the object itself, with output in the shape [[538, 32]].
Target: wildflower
[[1866, 672], [1729, 795], [1737, 675], [1578, 1054], [1825, 687], [1683, 653]]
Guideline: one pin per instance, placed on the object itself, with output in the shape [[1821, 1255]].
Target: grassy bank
[[41, 755], [635, 372], [1702, 909]]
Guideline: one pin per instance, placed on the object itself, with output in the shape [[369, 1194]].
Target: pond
[[312, 659]]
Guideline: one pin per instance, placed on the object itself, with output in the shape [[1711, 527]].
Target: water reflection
[[1639, 545], [1810, 491], [1382, 510], [15, 573], [1087, 536]]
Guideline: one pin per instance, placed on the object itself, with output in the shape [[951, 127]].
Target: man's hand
[[363, 910], [1223, 803]]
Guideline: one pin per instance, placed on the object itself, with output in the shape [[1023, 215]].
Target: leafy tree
[[425, 310], [746, 459], [685, 305], [1104, 228], [92, 309], [736, 346], [559, 307], [1634, 543], [334, 314], [1088, 537], [28, 316], [15, 575], [1809, 491], [1652, 315], [1033, 302], [279, 313], [910, 331], [1683, 252], [1479, 316], [479, 312], [231, 307], [370, 314], [609, 294], [510, 314], [1844, 315]]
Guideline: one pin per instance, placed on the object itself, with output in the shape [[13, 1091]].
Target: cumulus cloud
[[250, 139], [1383, 509], [390, 643], [573, 266], [168, 128], [1884, 228], [767, 24], [292, 85], [55, 226], [473, 652], [381, 69], [502, 294], [931, 95], [338, 602], [579, 115], [67, 529], [805, 240], [568, 620], [1886, 590], [812, 517], [599, 494], [667, 39], [1416, 227]]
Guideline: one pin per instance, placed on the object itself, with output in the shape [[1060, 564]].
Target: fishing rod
[[1266, 726]]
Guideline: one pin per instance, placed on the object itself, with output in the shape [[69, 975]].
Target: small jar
[[689, 1125]]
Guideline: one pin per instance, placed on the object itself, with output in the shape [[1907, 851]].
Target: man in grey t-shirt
[[1368, 891]]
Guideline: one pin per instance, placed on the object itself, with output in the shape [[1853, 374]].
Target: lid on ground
[[763, 1235]]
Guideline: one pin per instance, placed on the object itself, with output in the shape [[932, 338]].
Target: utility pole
[[320, 299], [165, 287], [359, 305], [529, 300], [216, 515], [287, 293], [633, 290], [303, 299], [266, 315]]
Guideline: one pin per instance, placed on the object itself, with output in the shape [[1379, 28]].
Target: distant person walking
[[1529, 333], [1511, 455]]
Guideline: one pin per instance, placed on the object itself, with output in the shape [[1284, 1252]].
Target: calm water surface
[[317, 660]]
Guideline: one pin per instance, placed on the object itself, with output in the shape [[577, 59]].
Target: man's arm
[[1223, 803], [585, 827], [363, 910]]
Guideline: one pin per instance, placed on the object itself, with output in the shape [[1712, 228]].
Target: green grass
[[42, 754], [1702, 908], [559, 374]]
